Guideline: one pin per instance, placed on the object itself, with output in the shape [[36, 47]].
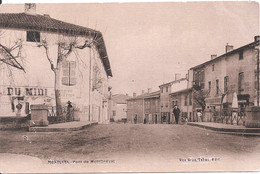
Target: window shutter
[[72, 73], [69, 73]]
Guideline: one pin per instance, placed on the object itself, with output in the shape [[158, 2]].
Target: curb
[[232, 131], [46, 129]]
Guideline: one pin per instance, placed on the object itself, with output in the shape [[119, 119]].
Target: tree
[[11, 55], [200, 95], [66, 45]]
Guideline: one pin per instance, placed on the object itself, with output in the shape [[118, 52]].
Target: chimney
[[149, 90], [177, 76], [213, 56], [229, 48], [134, 94], [257, 38], [30, 8]]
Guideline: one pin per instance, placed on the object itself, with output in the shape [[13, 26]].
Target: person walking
[[176, 112]]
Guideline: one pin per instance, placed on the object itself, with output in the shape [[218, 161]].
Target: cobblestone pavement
[[129, 147]]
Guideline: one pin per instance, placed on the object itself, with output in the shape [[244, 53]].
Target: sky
[[147, 43]]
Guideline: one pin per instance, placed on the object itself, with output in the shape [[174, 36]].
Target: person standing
[[176, 112], [135, 119]]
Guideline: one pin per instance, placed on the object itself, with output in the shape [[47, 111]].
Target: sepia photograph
[[129, 87]]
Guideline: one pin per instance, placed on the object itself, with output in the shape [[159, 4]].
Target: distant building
[[235, 72], [83, 74], [152, 107], [166, 104], [118, 107], [135, 108]]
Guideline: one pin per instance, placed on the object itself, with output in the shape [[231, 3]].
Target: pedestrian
[[176, 112], [144, 120], [69, 114], [199, 115], [135, 119]]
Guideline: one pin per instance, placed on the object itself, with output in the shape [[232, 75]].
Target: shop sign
[[215, 100]]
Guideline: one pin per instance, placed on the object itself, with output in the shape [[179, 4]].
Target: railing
[[228, 116], [67, 115]]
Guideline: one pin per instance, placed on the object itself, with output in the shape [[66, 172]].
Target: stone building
[[152, 107], [31, 45], [135, 108], [236, 72]]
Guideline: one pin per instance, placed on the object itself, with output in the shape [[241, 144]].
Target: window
[[213, 67], [33, 36], [240, 82], [202, 79], [199, 79], [217, 87], [185, 101], [69, 73], [196, 78], [256, 80], [225, 84], [114, 113], [167, 89], [162, 89], [209, 86], [241, 55], [190, 99]]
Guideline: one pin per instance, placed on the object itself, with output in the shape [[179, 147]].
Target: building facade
[[135, 108], [166, 103], [118, 107], [183, 99], [234, 73], [27, 71], [152, 107]]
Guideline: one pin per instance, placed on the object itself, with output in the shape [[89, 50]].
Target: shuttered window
[[241, 82], [69, 73]]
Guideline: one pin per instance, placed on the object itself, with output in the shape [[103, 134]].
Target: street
[[159, 147]]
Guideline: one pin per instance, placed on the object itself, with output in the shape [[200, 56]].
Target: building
[[236, 72], [40, 54], [152, 107], [118, 107], [166, 104], [135, 108], [183, 99]]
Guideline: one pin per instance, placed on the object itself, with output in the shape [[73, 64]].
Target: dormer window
[[33, 36]]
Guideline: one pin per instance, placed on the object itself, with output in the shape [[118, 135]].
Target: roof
[[47, 24], [255, 43], [120, 98], [181, 91], [138, 97], [172, 82], [155, 94], [146, 96]]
